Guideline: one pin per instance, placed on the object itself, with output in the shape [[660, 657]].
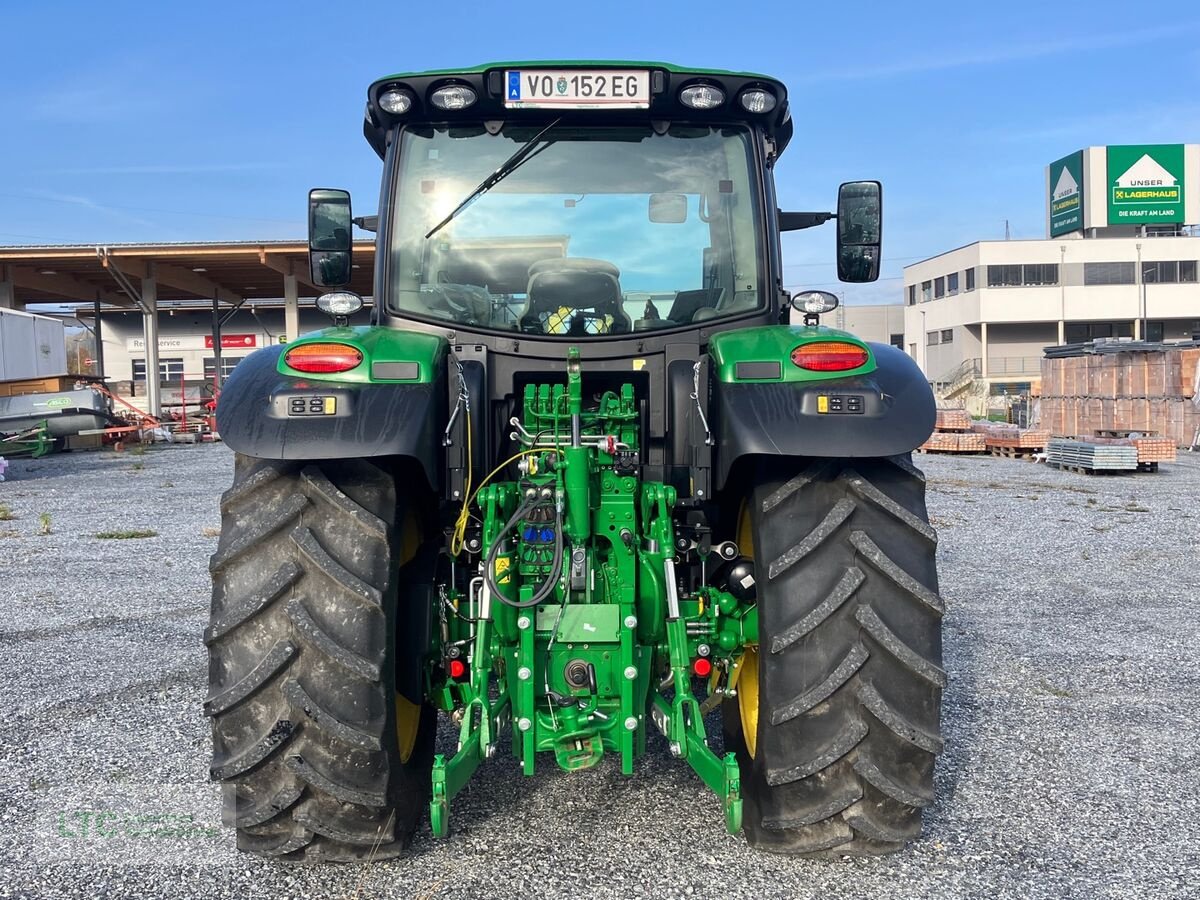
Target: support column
[[216, 340], [291, 308], [8, 290], [1137, 329], [1062, 332], [983, 350], [150, 333], [98, 335]]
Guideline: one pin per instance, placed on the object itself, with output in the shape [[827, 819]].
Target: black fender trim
[[782, 419], [371, 420]]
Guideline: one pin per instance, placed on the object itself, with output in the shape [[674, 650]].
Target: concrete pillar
[[8, 290], [1062, 332], [98, 335], [150, 333], [983, 350], [1137, 329], [291, 308]]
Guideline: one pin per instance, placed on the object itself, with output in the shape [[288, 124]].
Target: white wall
[[877, 322]]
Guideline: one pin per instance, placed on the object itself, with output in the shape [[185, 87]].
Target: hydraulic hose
[[547, 586]]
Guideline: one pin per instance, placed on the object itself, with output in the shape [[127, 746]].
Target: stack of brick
[[1148, 391], [953, 434], [953, 420]]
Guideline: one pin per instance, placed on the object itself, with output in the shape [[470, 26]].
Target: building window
[[1029, 275], [931, 338], [939, 288], [1079, 332], [897, 340], [227, 364], [970, 279], [912, 295], [1040, 274], [168, 369], [1160, 272], [1108, 273], [1183, 272], [1004, 276], [952, 283], [1154, 331], [926, 291], [948, 336]]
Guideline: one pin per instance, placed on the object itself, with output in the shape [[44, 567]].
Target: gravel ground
[[1071, 759]]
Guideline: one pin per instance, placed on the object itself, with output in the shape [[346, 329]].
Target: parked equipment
[[34, 441], [578, 480], [64, 413]]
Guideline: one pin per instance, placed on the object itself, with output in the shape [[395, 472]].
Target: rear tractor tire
[[836, 722], [322, 758]]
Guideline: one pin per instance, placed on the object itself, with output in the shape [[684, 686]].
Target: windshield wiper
[[506, 168]]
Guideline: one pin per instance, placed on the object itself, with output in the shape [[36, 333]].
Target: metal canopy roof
[[228, 271]]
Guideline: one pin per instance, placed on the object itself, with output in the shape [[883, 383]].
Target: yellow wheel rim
[[408, 723], [408, 714], [747, 694], [745, 675]]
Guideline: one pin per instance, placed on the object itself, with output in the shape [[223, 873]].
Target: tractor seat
[[574, 296]]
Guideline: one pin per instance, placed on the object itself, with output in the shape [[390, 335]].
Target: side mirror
[[859, 230], [329, 237], [668, 208]]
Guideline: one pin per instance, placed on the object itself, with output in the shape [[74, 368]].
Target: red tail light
[[323, 358], [457, 669], [702, 667], [829, 356]]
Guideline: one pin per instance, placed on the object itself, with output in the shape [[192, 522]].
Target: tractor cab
[[557, 201]]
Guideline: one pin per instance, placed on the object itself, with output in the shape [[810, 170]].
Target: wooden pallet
[[1026, 453], [1083, 470]]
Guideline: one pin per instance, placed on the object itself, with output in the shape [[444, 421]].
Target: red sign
[[232, 341]]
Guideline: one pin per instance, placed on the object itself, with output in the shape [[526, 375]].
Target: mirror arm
[[794, 221], [367, 223]]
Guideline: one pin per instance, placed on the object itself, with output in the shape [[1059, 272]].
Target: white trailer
[[31, 346]]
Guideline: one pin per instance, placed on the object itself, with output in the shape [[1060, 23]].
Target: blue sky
[[160, 121]]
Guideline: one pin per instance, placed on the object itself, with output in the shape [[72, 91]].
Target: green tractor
[[579, 480]]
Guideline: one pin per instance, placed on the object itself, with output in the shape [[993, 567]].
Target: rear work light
[[323, 358], [829, 356]]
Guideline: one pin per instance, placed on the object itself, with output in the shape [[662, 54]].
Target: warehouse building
[[212, 300], [1120, 260], [185, 338]]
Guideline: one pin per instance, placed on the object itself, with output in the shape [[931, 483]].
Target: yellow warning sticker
[[330, 406], [822, 403], [502, 565], [639, 364]]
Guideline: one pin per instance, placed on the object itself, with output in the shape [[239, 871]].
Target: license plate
[[593, 89]]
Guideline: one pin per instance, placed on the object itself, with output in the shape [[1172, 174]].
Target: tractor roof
[[490, 80]]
